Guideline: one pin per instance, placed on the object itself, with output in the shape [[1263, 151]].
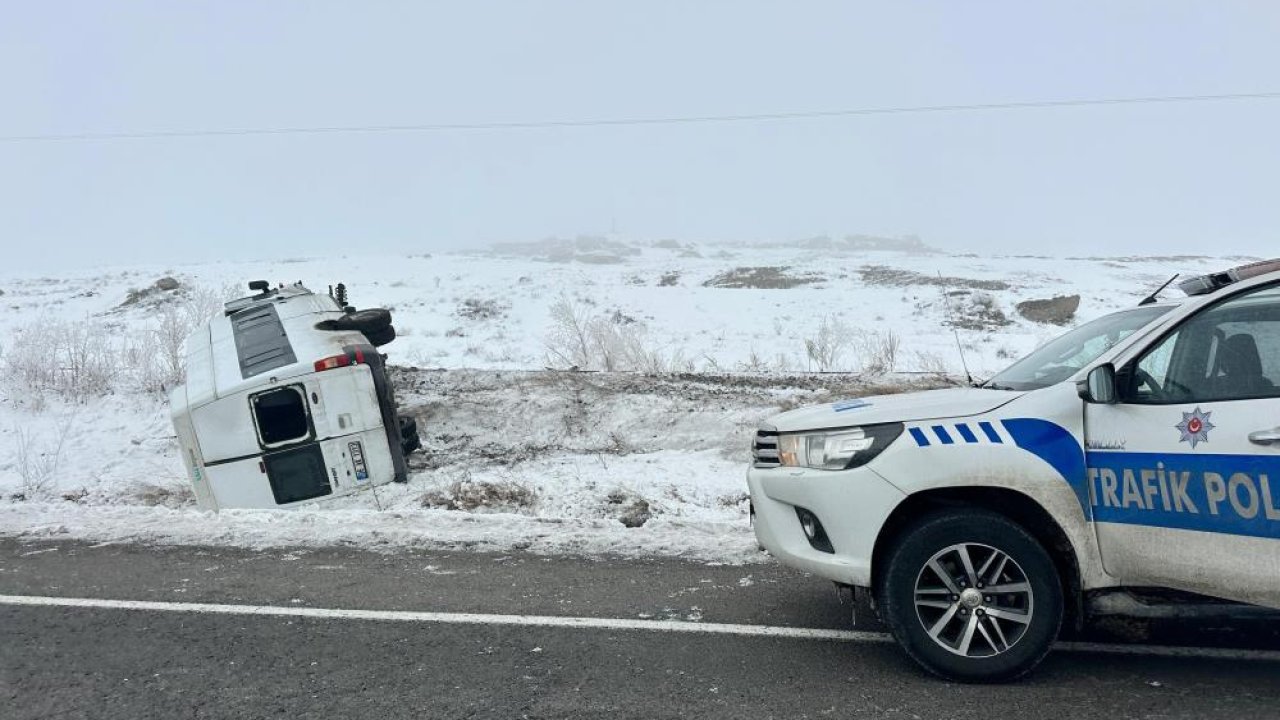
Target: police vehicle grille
[[764, 451]]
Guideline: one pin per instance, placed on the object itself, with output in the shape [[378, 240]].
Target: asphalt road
[[70, 662]]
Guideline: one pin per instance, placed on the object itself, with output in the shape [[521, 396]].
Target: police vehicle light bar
[[1214, 281]]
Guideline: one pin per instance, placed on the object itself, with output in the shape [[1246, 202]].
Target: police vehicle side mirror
[[1099, 386]]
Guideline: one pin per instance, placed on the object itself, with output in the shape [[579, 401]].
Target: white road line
[[587, 623], [449, 618]]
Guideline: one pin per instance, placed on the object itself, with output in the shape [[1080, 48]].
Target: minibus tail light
[[351, 357]]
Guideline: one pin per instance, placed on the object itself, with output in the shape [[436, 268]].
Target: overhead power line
[[607, 122]]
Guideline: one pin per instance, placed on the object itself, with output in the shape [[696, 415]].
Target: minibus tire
[[410, 443], [909, 585], [380, 336], [365, 320], [408, 426], [409, 440]]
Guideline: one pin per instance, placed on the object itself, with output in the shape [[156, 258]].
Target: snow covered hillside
[[700, 307], [518, 456]]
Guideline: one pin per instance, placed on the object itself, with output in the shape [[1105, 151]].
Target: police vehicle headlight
[[836, 449]]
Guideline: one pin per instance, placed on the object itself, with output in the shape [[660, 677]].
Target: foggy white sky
[[1149, 178]]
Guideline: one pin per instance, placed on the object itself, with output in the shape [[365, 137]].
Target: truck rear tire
[[971, 596]]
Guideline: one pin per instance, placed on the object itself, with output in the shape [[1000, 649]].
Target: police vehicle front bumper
[[821, 521]]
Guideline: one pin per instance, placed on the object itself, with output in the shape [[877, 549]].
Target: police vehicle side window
[[281, 416], [1231, 351], [1267, 338], [1157, 362]]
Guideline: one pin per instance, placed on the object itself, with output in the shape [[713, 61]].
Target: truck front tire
[[971, 596]]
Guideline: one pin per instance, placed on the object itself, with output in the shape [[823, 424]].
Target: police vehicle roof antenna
[[946, 298], [1152, 297]]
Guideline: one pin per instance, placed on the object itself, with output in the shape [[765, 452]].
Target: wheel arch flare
[[1030, 469]]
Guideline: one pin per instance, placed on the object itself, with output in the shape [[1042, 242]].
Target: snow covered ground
[[589, 463], [518, 457], [491, 310]]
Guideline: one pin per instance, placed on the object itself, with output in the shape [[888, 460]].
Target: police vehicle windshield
[[1063, 357]]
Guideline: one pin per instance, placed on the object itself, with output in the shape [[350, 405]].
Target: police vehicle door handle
[[1265, 437]]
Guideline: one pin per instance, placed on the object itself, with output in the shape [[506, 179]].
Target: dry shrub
[[931, 363], [37, 463], [827, 346], [586, 340], [878, 351], [79, 359], [73, 360], [481, 309]]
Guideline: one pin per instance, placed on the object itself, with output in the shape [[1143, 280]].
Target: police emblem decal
[[1195, 427], [847, 405]]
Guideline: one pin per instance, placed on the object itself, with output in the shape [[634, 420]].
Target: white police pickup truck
[[1140, 450]]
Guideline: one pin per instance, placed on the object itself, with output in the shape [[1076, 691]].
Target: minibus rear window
[[281, 416], [297, 474]]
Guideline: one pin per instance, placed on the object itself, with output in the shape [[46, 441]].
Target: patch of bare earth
[[471, 495], [762, 278], [885, 276]]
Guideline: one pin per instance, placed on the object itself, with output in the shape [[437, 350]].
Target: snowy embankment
[[548, 462], [516, 456]]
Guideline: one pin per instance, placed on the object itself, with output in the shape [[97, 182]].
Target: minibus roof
[[266, 336]]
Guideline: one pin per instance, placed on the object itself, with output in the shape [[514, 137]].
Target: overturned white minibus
[[287, 402]]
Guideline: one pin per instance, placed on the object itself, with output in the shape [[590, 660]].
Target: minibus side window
[[281, 416]]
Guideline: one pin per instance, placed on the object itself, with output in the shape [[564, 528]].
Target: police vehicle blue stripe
[[1230, 494], [990, 432], [1055, 445]]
